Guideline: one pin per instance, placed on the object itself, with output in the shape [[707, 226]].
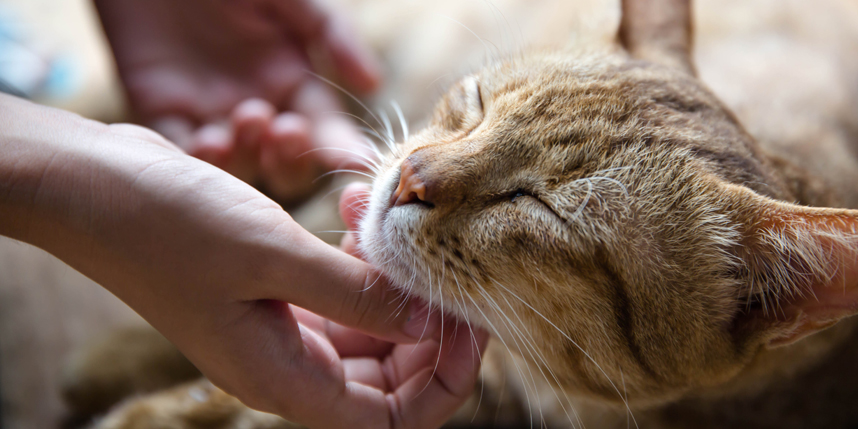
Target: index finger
[[318, 277]]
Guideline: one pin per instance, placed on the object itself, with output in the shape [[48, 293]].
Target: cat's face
[[596, 213], [564, 206]]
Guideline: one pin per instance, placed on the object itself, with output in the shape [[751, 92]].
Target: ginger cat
[[642, 259]]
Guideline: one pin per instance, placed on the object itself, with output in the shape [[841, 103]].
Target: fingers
[[432, 381], [250, 120], [288, 167], [353, 62], [316, 276], [213, 143], [256, 145], [309, 21], [431, 395], [366, 371], [177, 129], [354, 201], [339, 142], [347, 341]]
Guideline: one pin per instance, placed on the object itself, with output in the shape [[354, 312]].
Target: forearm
[[125, 207], [30, 159], [66, 186]]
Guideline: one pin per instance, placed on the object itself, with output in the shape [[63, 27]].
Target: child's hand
[[219, 269]]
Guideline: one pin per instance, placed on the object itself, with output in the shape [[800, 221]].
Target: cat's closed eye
[[525, 198]]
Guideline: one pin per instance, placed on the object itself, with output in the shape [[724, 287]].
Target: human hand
[[227, 81], [212, 263]]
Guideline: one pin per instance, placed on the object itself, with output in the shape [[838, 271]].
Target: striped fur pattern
[[613, 224]]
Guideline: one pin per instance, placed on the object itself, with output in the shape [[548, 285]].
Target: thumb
[[351, 292]]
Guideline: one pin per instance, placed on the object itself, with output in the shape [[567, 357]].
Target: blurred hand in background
[[228, 81]]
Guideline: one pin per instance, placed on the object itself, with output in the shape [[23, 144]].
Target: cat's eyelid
[[522, 192]]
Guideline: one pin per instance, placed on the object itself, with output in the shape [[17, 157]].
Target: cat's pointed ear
[[799, 265], [659, 31]]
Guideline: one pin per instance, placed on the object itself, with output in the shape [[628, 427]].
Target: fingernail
[[423, 322]]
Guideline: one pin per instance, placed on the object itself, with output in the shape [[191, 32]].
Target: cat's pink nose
[[411, 188]]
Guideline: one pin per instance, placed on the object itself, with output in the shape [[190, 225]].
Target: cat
[[641, 258]]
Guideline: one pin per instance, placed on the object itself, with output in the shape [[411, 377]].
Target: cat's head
[[609, 219]]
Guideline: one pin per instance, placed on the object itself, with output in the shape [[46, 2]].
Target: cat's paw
[[125, 362], [196, 405]]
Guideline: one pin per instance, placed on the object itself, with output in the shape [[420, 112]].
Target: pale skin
[[211, 263], [219, 268]]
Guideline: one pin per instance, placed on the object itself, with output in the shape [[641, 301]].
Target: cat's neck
[[780, 382]]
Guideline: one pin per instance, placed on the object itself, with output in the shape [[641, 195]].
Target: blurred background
[[53, 52]]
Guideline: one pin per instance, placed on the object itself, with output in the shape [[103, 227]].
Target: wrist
[[27, 157], [58, 174]]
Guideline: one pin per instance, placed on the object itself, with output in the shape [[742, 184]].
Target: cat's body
[[630, 243]]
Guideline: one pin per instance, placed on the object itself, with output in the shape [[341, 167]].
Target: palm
[[228, 82]]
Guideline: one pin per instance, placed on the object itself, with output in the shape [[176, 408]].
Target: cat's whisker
[[388, 127], [441, 341], [583, 204], [509, 350], [519, 339], [366, 159], [439, 78], [344, 91], [626, 396], [565, 335], [614, 181], [340, 188], [360, 173], [474, 345], [368, 129], [495, 12], [531, 349], [402, 305], [371, 284], [483, 41], [529, 340], [402, 123], [391, 145]]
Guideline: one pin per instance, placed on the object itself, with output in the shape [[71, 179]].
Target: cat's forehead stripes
[[567, 119]]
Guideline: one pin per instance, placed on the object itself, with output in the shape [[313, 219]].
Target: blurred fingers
[[250, 120], [177, 129], [354, 202], [341, 145], [288, 166], [212, 143], [314, 24]]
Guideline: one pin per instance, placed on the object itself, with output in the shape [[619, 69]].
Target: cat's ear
[[659, 31], [799, 265]]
